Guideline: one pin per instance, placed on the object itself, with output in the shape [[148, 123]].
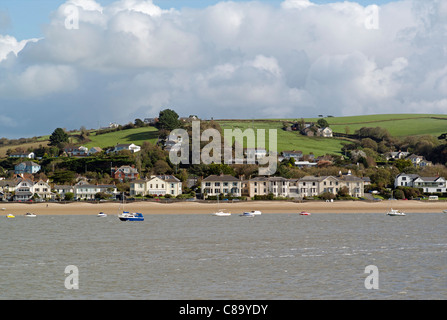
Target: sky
[[73, 63]]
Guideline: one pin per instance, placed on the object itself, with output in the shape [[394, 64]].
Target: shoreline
[[147, 208]]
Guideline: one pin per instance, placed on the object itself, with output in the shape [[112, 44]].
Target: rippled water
[[273, 256]]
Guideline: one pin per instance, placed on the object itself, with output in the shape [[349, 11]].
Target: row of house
[[74, 151], [308, 186], [416, 160], [22, 189]]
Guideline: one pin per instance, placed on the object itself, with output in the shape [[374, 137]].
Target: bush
[[399, 194]]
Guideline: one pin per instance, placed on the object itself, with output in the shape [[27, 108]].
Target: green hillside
[[287, 140], [136, 136], [398, 125]]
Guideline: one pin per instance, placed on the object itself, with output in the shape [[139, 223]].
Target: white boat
[[127, 216], [393, 212], [445, 211], [254, 212], [304, 213], [30, 215], [130, 216], [247, 214], [102, 214], [220, 212]]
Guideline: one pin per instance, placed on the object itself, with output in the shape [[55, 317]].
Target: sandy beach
[[409, 206]]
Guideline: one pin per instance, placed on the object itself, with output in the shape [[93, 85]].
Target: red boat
[[304, 213]]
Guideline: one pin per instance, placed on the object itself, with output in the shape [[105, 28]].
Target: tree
[[139, 123], [168, 120], [58, 138], [69, 196], [322, 123]]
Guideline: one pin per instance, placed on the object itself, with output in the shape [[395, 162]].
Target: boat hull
[[131, 217], [248, 215], [221, 214]]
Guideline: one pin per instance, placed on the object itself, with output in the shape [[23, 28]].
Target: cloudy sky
[[87, 63]]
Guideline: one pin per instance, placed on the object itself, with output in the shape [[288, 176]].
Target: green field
[[136, 136], [398, 125], [287, 140]]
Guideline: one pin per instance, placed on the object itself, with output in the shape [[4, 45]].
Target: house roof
[[29, 163], [168, 178], [220, 178]]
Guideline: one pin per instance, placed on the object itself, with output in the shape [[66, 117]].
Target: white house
[[214, 185], [85, 191], [24, 190], [325, 132], [427, 184], [43, 190], [130, 146], [157, 185], [22, 154], [63, 189]]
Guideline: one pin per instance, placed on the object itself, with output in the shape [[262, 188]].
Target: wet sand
[[79, 208]]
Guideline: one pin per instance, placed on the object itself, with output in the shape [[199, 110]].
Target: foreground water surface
[[272, 256]]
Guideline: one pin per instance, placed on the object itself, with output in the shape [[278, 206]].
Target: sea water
[[187, 256]]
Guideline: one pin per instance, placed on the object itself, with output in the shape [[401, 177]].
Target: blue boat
[[126, 216]]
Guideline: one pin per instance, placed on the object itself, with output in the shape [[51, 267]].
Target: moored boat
[[247, 214], [102, 214], [10, 216], [127, 216], [30, 215], [393, 212], [445, 211], [304, 213], [221, 213], [254, 212]]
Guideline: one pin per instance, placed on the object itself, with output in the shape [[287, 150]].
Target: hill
[[399, 125], [135, 135]]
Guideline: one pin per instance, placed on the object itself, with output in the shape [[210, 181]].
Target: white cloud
[[131, 58]]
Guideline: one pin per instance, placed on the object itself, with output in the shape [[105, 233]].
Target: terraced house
[[160, 185], [214, 185], [308, 186], [85, 191]]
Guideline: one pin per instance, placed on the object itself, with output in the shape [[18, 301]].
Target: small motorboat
[[247, 214], [221, 213], [10, 216], [102, 214], [304, 213], [254, 212], [393, 212], [126, 216], [30, 215], [445, 211]]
